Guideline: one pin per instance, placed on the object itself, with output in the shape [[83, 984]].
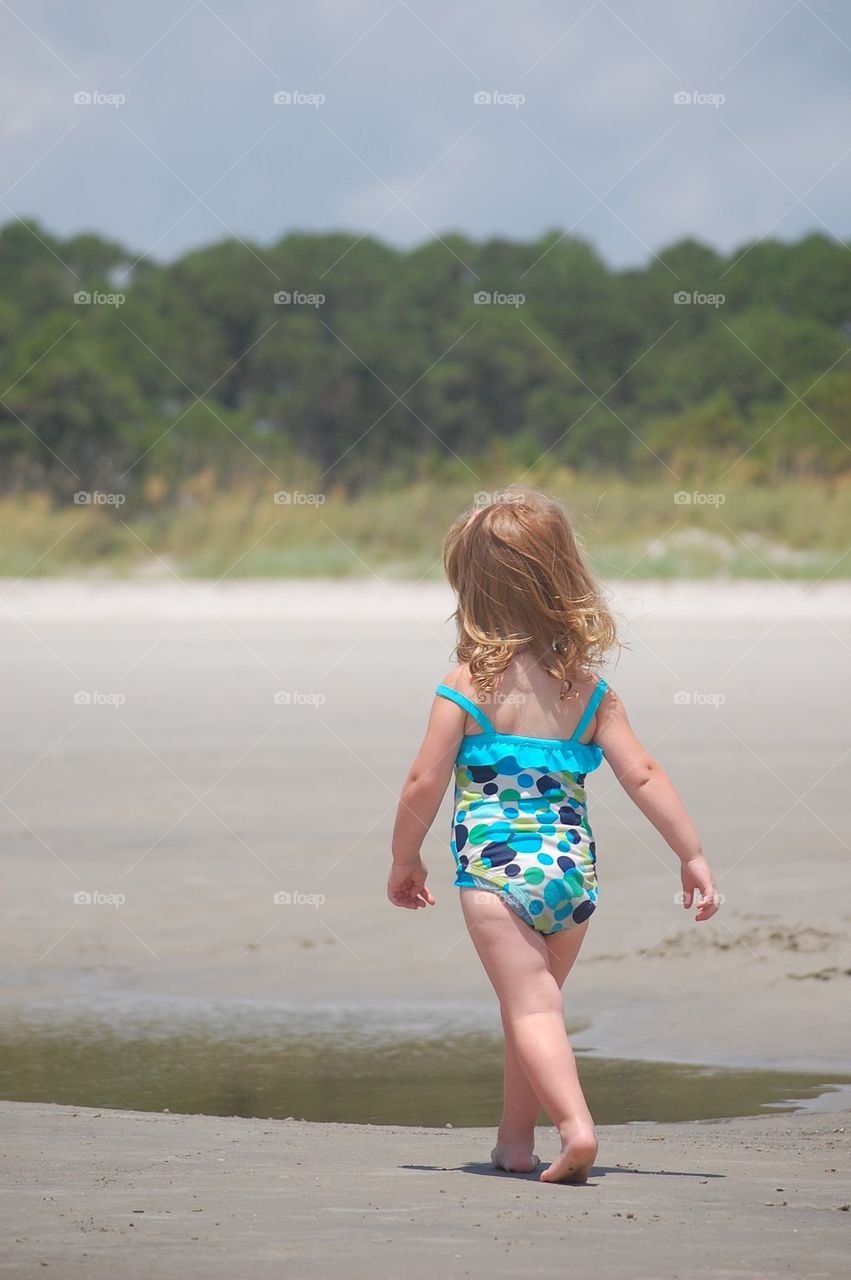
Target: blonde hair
[[521, 583]]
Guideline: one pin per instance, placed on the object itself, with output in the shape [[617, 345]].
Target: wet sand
[[247, 739], [127, 1195]]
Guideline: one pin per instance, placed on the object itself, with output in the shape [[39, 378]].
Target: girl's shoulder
[[458, 678], [610, 707], [585, 678]]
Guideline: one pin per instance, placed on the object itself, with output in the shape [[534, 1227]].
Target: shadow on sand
[[599, 1171]]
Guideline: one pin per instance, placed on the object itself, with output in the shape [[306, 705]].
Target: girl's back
[[527, 703]]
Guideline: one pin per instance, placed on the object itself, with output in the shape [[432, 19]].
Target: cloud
[[398, 80]]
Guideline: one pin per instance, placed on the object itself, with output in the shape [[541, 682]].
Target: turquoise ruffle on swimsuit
[[520, 826]]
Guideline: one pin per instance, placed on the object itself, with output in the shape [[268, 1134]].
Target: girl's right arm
[[651, 790], [422, 794]]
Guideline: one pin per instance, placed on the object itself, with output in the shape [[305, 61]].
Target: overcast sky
[[400, 148]]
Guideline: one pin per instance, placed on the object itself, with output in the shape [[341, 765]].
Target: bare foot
[[574, 1164], [514, 1157]]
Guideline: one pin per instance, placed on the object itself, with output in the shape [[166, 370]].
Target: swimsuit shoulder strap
[[470, 707], [593, 703]]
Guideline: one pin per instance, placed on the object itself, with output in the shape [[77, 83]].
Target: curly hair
[[521, 583]]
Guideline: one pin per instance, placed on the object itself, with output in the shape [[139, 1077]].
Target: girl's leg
[[521, 1106], [516, 959]]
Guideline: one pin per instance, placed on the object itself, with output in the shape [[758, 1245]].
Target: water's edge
[[393, 1065]]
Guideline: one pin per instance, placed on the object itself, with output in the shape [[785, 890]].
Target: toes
[[514, 1162]]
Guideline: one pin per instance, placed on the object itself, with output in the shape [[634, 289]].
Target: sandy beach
[[199, 784], [196, 749], [133, 1196]]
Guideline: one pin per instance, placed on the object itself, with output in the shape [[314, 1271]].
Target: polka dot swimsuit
[[520, 826]]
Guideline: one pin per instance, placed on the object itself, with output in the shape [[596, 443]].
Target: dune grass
[[629, 528]]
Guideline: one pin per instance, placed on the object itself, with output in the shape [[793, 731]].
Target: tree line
[[357, 361]]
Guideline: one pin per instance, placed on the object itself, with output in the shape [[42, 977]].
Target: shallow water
[[357, 1072]]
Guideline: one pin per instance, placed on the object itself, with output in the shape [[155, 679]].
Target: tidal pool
[[358, 1070]]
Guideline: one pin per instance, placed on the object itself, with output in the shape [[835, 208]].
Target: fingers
[[709, 904], [701, 893], [410, 896], [400, 896]]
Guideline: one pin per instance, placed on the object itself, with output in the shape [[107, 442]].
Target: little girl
[[531, 624]]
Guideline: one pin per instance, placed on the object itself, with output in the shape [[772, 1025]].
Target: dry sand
[[125, 1195]]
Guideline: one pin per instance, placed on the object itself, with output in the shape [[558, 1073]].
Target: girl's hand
[[697, 878], [406, 885]]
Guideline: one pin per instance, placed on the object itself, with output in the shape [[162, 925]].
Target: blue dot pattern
[[523, 833]]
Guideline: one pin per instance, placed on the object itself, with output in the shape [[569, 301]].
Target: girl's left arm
[[422, 793]]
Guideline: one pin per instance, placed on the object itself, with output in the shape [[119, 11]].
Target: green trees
[[363, 360]]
